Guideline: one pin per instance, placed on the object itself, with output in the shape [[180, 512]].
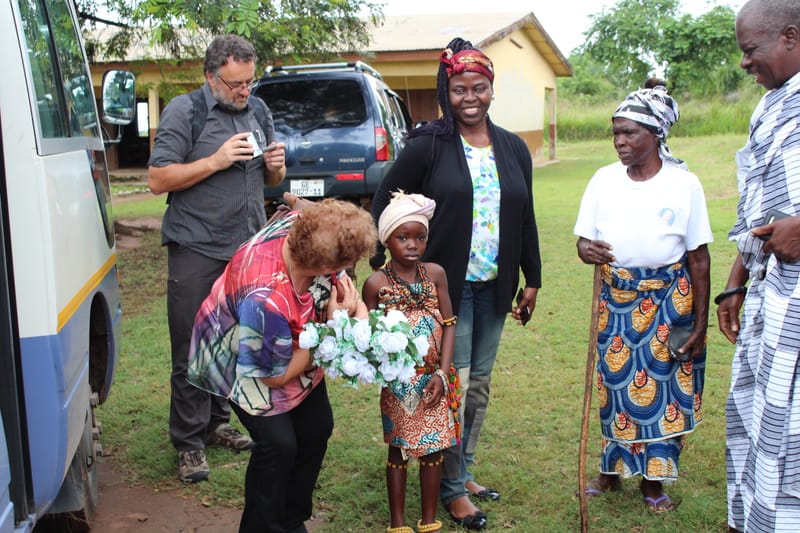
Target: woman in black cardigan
[[483, 233]]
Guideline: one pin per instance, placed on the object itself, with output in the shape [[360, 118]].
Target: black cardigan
[[436, 167]]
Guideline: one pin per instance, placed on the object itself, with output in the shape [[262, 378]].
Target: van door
[[14, 470]]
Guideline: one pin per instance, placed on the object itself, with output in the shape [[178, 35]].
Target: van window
[[309, 104], [65, 104]]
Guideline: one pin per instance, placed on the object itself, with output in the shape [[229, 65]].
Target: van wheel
[[82, 478]]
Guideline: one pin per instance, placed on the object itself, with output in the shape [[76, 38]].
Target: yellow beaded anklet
[[399, 466], [427, 528], [401, 529], [433, 463]]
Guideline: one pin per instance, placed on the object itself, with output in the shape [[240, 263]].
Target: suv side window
[[312, 104], [398, 116]]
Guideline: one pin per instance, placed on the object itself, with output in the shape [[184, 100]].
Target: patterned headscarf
[[656, 110], [467, 61], [404, 208]]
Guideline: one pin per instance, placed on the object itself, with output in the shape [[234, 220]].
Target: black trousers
[[192, 412], [284, 464]]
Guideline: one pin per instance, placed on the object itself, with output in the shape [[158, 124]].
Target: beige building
[[405, 49]]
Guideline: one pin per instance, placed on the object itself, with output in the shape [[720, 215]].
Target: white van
[[59, 294]]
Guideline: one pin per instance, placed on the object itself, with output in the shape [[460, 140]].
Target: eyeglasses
[[239, 85]]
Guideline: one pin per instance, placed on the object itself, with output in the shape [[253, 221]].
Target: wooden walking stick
[[587, 397]]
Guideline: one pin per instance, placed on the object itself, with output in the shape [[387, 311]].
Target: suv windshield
[[310, 104]]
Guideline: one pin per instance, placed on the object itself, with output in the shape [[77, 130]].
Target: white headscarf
[[404, 208]]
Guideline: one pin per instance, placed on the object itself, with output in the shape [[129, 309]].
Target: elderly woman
[[645, 221], [483, 234], [244, 348]]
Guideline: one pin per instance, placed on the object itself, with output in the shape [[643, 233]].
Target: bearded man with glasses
[[215, 184]]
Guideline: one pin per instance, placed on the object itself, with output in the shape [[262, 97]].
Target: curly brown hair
[[332, 234]]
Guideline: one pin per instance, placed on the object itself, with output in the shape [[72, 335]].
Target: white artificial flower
[[393, 342], [393, 317], [406, 373], [340, 317], [422, 345], [362, 334], [327, 349], [351, 361], [347, 331], [332, 372], [309, 337], [367, 373], [389, 371], [339, 321]]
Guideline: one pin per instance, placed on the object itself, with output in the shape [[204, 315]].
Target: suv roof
[[342, 125]]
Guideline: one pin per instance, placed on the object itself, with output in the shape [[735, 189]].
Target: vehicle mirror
[[119, 97]]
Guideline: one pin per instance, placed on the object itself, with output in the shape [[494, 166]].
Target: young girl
[[419, 418]]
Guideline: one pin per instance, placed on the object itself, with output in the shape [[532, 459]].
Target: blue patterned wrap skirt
[[648, 401]]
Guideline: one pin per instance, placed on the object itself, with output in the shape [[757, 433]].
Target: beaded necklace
[[415, 293]]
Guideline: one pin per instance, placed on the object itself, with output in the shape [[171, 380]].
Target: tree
[[288, 30], [590, 81], [625, 37], [701, 54]]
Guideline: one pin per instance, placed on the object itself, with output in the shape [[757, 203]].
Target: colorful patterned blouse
[[247, 328], [483, 254]]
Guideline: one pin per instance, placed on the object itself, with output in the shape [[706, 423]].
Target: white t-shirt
[[648, 223]]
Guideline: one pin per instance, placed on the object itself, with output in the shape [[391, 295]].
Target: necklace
[[415, 294], [287, 260]]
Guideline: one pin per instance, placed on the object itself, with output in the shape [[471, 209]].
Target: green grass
[[529, 448], [582, 120]]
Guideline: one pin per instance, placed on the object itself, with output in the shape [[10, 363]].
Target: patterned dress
[[407, 424], [647, 400]]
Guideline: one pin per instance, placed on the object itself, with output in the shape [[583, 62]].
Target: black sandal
[[486, 495], [474, 522]]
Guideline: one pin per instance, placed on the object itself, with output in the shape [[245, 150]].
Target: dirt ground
[[125, 508]]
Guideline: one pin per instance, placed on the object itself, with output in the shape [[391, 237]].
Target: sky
[[564, 20]]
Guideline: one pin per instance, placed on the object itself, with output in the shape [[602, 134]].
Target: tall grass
[[581, 120], [529, 448]]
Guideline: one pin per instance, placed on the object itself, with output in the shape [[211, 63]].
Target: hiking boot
[[227, 436], [192, 466]]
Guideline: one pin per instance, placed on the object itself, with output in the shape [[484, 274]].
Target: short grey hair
[[772, 16], [224, 47]]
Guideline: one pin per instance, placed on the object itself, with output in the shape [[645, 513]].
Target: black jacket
[[436, 167]]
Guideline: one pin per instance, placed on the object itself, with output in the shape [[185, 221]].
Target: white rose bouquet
[[380, 349]]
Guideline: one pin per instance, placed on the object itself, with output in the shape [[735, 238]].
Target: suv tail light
[[381, 144]]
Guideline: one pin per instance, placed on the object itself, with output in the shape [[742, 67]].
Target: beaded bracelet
[[447, 322], [729, 292]]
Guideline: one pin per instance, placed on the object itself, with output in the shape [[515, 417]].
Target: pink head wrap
[[404, 208], [467, 61]]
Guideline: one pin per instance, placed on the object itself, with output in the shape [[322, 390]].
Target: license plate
[[307, 187]]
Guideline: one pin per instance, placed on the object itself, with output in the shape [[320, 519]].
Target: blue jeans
[[478, 334]]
